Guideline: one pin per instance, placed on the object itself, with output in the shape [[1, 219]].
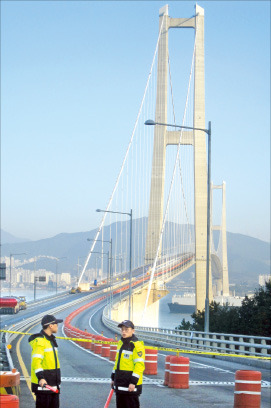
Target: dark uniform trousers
[[47, 400], [127, 401]]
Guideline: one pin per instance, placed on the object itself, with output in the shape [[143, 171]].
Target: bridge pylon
[[221, 281], [163, 137]]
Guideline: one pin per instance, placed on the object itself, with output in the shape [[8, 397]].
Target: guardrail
[[201, 341]]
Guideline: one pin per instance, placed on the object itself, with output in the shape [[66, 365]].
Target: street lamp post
[[208, 131], [103, 240], [35, 278], [130, 271], [109, 277], [10, 256]]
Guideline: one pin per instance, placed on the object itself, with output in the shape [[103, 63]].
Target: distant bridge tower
[[219, 258], [163, 137]]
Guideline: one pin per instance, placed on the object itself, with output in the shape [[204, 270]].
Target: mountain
[[247, 257], [7, 238]]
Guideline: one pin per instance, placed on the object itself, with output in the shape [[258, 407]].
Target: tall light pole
[[35, 278], [130, 272], [103, 240], [109, 277], [10, 256], [208, 131]]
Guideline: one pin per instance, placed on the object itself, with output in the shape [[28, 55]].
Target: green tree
[[255, 313], [252, 318]]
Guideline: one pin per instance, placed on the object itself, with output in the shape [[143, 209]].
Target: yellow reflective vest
[[44, 362], [129, 365]]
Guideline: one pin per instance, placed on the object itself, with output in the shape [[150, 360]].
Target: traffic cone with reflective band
[[167, 366], [179, 372], [98, 346], [88, 343], [78, 335], [75, 335], [106, 348], [247, 392], [94, 336], [113, 352], [9, 401], [150, 361], [81, 335]]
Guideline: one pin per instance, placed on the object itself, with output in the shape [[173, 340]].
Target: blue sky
[[72, 78]]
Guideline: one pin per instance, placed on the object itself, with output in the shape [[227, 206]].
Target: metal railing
[[201, 341]]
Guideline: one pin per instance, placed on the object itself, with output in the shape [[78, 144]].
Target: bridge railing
[[195, 340]]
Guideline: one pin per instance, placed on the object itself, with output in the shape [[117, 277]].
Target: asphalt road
[[85, 376]]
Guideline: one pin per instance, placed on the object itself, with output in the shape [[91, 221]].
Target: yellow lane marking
[[22, 364], [211, 353]]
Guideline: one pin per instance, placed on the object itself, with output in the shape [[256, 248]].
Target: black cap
[[49, 319], [127, 323]]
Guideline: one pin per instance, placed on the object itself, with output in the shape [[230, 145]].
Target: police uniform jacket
[[45, 363], [129, 365]]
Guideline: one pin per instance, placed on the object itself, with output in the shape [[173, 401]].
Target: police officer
[[45, 368], [128, 370]]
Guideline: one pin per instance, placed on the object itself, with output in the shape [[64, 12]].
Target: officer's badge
[[140, 353]]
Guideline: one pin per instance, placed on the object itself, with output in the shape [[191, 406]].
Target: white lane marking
[[89, 322], [149, 381]]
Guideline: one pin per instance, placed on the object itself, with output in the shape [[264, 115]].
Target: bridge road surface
[[85, 376]]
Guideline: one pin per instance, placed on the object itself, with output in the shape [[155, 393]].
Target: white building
[[66, 277]]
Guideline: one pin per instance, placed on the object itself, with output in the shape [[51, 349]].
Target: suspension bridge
[[154, 227], [162, 184]]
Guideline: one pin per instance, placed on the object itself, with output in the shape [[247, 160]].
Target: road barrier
[[10, 382], [98, 346], [151, 361], [9, 401], [106, 348], [178, 372], [87, 345], [167, 366], [113, 352], [93, 342], [247, 392]]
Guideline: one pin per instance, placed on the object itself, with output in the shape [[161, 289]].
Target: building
[[66, 277]]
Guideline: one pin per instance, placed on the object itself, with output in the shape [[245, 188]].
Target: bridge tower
[[163, 137], [222, 281]]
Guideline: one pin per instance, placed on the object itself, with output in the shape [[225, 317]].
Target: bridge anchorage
[[163, 179]]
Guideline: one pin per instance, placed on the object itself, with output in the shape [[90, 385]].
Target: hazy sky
[[72, 77]]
